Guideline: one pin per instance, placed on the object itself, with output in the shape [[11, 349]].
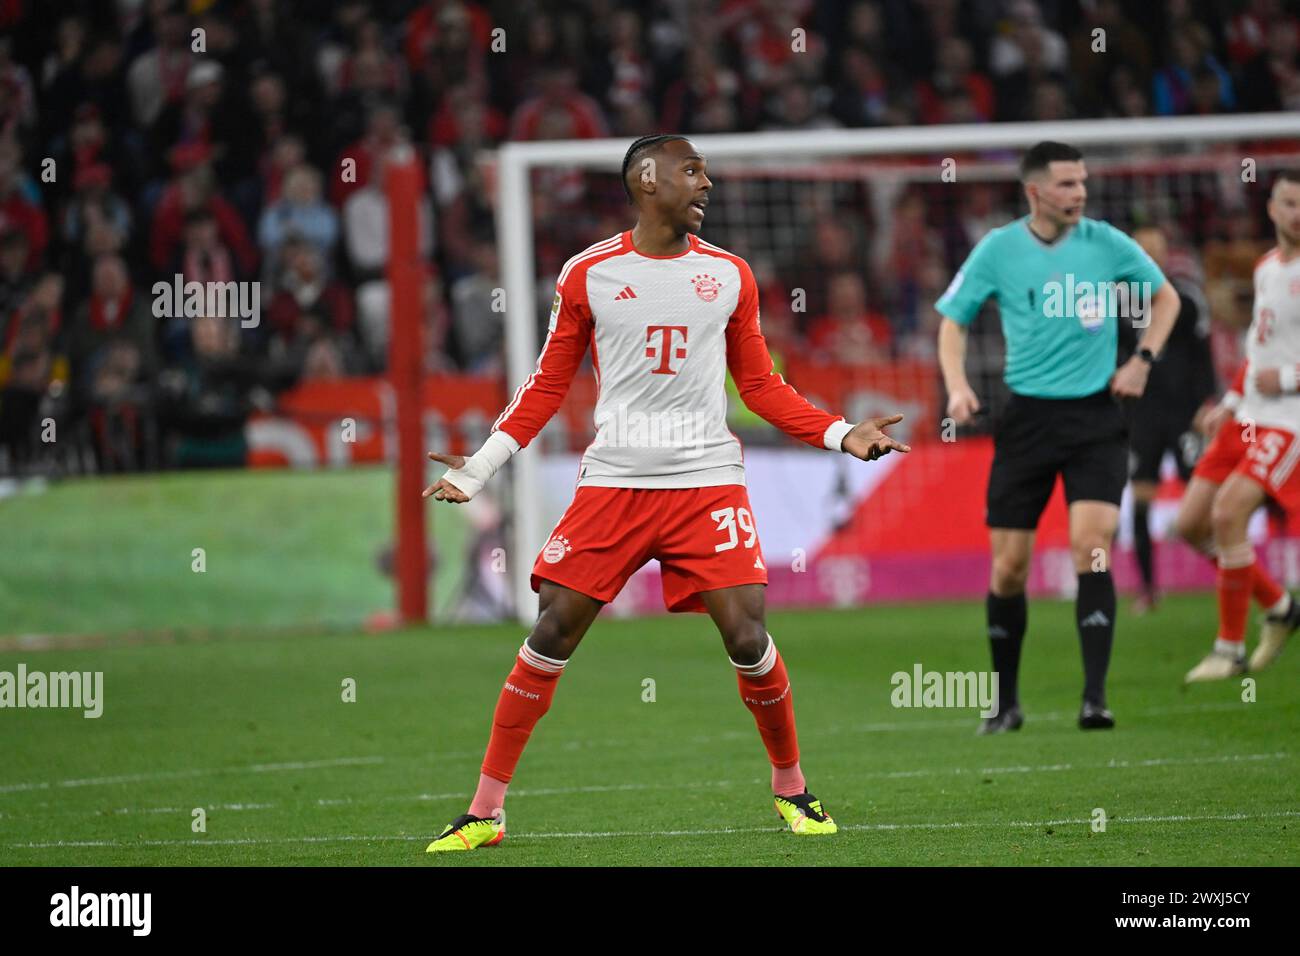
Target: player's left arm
[[767, 394], [1134, 265]]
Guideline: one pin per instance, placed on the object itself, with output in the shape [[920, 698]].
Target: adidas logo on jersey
[[627, 293], [1095, 619]]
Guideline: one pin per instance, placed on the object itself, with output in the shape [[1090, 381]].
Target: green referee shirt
[[1059, 302]]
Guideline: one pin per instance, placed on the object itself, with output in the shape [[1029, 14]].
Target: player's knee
[[1225, 517], [1191, 528], [553, 637], [746, 641], [1091, 552], [1010, 572]]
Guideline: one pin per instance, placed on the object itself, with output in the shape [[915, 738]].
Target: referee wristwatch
[[1148, 356]]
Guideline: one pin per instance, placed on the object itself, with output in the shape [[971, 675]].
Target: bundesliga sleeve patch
[[555, 312]]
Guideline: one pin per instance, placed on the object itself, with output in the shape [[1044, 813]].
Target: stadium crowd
[[140, 139]]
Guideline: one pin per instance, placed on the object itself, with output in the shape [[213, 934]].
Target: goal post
[[754, 154]]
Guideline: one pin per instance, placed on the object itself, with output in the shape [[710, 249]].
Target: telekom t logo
[[666, 350]]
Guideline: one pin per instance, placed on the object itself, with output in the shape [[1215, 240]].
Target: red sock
[[765, 689], [1267, 591], [1236, 572], [525, 697]]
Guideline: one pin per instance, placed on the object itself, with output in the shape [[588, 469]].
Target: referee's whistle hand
[[868, 440], [1130, 379], [962, 404]]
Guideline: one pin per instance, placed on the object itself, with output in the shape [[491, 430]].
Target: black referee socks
[[1142, 544], [1006, 617], [1094, 612]]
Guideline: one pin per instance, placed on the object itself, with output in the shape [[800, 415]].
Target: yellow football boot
[[469, 833], [804, 814]]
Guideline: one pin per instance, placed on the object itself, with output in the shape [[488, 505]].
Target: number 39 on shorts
[[727, 519]]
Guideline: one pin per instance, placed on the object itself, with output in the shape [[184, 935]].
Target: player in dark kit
[[1180, 384], [1057, 278]]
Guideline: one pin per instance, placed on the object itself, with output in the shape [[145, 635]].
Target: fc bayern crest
[[555, 549], [706, 287]]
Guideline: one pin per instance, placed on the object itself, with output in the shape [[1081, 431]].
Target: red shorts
[[703, 538], [1270, 461]]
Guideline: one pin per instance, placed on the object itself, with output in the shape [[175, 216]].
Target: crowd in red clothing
[[245, 140]]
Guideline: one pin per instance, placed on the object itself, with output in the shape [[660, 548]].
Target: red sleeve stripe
[[528, 383], [603, 248]]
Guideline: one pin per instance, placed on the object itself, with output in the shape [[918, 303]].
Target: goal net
[[852, 236]]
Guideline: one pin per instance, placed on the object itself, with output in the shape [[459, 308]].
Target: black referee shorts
[[1085, 440], [1153, 432]]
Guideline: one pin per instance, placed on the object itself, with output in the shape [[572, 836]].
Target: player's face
[[1284, 210], [1061, 192], [683, 189]]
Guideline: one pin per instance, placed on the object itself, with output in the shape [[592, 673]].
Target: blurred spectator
[[111, 344], [15, 277], [206, 397], [203, 256], [1271, 80], [477, 317], [862, 97], [704, 83], [954, 76], [193, 189], [1122, 43], [1189, 63], [849, 333], [308, 303], [1027, 41], [19, 209], [299, 214], [365, 227], [17, 103], [33, 368], [383, 132], [157, 78], [559, 110]]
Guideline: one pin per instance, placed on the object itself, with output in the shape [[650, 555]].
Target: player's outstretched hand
[[868, 440], [442, 489]]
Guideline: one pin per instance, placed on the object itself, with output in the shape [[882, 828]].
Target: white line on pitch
[[952, 825], [633, 787], [180, 774]]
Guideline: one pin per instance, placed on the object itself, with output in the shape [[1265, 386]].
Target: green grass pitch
[[223, 691]]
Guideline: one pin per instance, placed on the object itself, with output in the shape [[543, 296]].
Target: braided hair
[[638, 149]]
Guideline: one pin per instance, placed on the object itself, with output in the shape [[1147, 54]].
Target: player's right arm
[[534, 402], [959, 305]]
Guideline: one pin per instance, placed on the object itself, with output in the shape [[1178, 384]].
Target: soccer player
[[1252, 459], [666, 314], [1053, 273], [1179, 385]]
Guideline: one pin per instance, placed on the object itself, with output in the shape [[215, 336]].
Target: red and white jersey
[[1273, 341], [663, 331]]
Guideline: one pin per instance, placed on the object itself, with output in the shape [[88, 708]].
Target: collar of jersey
[[690, 237]]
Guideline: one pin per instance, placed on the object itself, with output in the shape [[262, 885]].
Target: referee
[[1055, 276]]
